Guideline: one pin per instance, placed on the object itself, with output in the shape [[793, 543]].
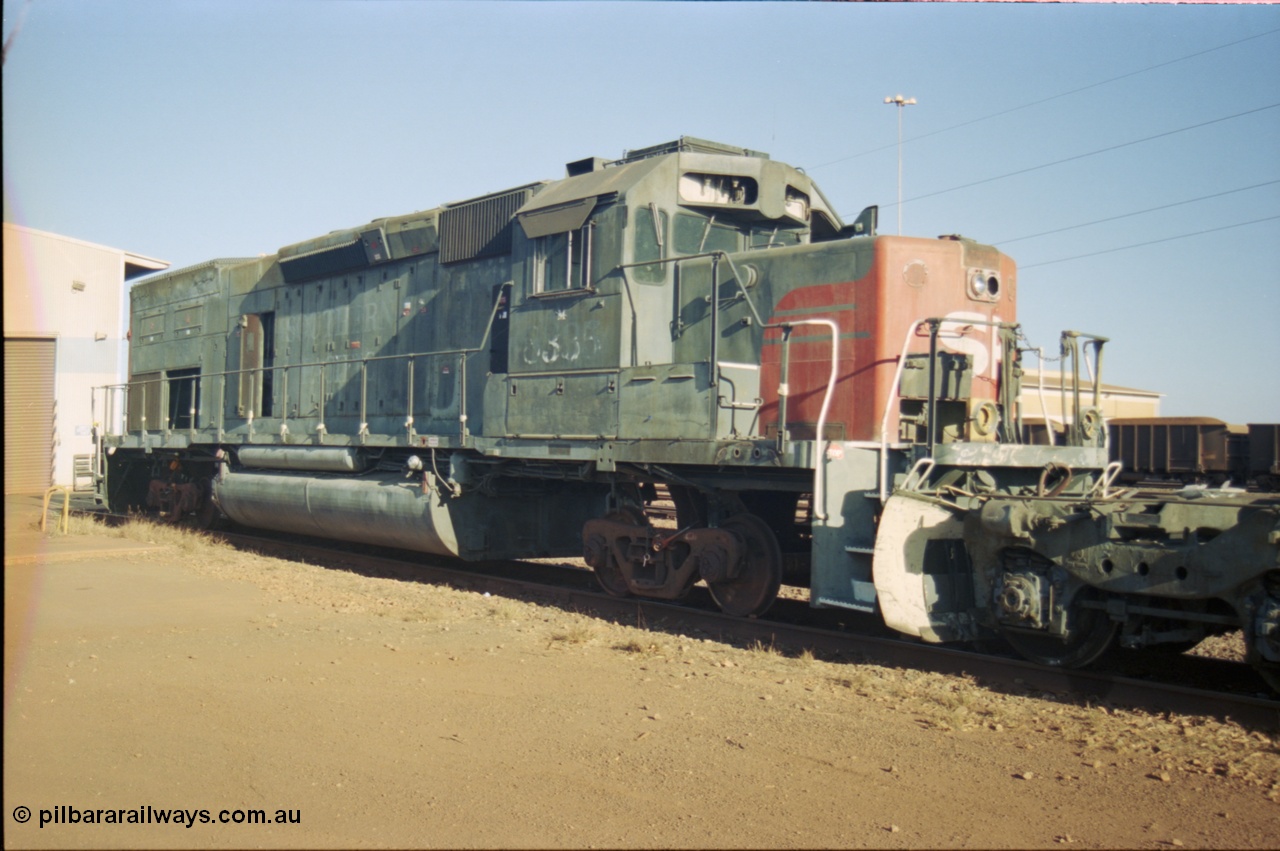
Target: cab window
[[700, 235], [650, 244], [560, 259]]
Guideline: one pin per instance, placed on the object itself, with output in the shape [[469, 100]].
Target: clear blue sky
[[192, 130]]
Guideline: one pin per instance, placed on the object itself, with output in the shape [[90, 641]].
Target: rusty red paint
[[909, 280]]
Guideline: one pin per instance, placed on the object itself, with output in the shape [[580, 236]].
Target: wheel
[[1256, 656], [1090, 633], [608, 573], [754, 591]]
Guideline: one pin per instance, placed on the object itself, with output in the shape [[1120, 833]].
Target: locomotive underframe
[[944, 538], [996, 554]]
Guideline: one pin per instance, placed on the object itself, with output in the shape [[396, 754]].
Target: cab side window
[[560, 260], [700, 235], [650, 244]]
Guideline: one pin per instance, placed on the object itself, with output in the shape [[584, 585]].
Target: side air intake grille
[[334, 260], [479, 228]]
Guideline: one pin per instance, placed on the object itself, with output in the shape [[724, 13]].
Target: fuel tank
[[513, 519], [387, 512]]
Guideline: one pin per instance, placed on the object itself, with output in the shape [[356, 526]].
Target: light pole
[[899, 101]]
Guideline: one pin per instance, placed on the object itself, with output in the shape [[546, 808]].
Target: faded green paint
[[596, 346]]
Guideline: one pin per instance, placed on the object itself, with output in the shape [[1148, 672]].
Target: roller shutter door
[[28, 414]]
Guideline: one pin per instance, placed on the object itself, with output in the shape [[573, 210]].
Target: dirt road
[[382, 713]]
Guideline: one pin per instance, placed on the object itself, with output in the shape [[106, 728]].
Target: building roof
[[134, 264], [1053, 381]]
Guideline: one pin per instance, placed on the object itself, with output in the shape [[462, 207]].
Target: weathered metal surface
[[693, 316], [318, 459], [915, 596], [389, 512], [422, 513]]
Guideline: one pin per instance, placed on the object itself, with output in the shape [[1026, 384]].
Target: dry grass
[[504, 609], [139, 529], [758, 649], [150, 532], [640, 647], [575, 633], [421, 614], [77, 525]]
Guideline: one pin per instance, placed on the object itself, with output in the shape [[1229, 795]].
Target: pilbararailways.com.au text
[[66, 815]]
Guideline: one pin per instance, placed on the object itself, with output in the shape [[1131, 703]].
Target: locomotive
[[524, 373]]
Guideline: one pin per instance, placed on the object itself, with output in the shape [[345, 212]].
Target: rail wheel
[[1262, 642], [756, 587], [1090, 633], [608, 573]]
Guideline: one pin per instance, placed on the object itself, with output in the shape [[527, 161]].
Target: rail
[[798, 626]]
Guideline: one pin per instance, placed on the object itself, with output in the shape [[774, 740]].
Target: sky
[[1126, 156]]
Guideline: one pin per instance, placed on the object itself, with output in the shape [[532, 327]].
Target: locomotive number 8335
[[523, 374]]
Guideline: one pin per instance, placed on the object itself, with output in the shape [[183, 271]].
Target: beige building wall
[[1116, 401], [70, 293]]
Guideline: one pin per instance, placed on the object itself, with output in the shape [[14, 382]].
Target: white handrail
[[820, 443]]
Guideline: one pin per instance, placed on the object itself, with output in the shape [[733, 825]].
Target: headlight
[[984, 285]]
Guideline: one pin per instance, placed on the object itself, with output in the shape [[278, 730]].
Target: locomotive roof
[[691, 143], [217, 263], [570, 199], [580, 188]]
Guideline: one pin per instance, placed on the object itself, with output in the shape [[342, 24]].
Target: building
[[64, 333], [1041, 399]]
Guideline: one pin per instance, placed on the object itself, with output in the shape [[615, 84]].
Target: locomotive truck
[[521, 374]]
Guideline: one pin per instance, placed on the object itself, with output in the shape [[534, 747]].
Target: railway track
[[1230, 690], [1149, 681]]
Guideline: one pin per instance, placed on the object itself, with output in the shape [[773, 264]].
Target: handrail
[[820, 441], [1072, 349], [64, 522], [461, 353], [936, 330], [717, 253]]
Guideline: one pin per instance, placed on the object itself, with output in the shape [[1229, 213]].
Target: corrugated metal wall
[[29, 414]]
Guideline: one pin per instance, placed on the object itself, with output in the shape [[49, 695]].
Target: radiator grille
[[479, 228]]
